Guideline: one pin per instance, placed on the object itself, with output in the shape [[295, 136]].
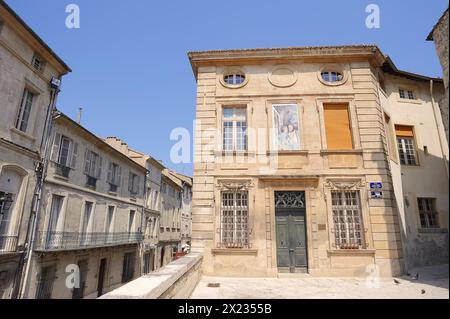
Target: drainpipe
[[433, 103], [41, 172]]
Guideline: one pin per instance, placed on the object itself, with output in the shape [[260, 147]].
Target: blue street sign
[[376, 194], [376, 185]]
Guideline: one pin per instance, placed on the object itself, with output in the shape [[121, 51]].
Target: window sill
[[354, 151], [433, 230], [62, 178], [23, 134], [112, 193], [283, 152], [234, 251], [350, 252], [415, 101], [234, 153]]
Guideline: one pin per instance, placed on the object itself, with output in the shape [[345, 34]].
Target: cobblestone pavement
[[432, 283]]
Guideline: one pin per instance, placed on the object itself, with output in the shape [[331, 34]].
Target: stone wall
[[176, 280], [440, 37]]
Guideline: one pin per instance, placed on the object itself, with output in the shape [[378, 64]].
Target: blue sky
[[131, 74]]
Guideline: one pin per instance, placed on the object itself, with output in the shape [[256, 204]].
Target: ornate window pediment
[[234, 185], [344, 184]]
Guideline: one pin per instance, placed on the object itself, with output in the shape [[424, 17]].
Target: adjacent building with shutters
[[27, 66], [186, 209], [91, 218], [170, 221], [296, 170]]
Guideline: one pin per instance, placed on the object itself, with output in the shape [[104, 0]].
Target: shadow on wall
[[425, 246]]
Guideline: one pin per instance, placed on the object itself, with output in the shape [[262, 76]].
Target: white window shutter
[[73, 160], [99, 167], [55, 147], [130, 181], [118, 176], [87, 161], [138, 184], [110, 172]]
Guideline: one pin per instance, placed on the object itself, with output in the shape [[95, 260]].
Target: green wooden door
[[291, 239]]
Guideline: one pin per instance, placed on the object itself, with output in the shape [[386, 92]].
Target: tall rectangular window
[[92, 164], [114, 176], [234, 220], [406, 144], [45, 282], [64, 151], [427, 212], [109, 219], [24, 111], [87, 218], [234, 129], [133, 183], [78, 293], [55, 213], [131, 221], [348, 225], [128, 267], [337, 127]]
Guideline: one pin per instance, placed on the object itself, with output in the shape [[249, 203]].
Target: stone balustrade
[[176, 280]]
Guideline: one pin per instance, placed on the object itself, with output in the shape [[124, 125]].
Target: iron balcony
[[8, 244], [58, 241]]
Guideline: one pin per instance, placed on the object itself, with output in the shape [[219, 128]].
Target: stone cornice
[[345, 52], [19, 148]]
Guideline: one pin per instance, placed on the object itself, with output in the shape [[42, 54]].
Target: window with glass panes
[[63, 155], [427, 213], [348, 225], [234, 79], [406, 145], [234, 129], [330, 76], [406, 94], [234, 220], [24, 111]]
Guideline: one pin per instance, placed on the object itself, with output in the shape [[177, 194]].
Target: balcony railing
[[8, 244], [75, 240]]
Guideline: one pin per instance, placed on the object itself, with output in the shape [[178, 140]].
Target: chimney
[[80, 112]]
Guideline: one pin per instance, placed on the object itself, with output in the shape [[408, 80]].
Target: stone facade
[[27, 66], [170, 223], [91, 216], [248, 89], [428, 177], [150, 247], [186, 208], [439, 35]]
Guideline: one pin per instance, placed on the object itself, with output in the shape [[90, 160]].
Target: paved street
[[432, 283]]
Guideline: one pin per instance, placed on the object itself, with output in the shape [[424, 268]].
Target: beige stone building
[[168, 199], [418, 153], [186, 208], [27, 66], [151, 250], [170, 221], [292, 169], [439, 35], [91, 217]]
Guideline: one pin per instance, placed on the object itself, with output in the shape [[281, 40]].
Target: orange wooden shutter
[[404, 130], [337, 127]]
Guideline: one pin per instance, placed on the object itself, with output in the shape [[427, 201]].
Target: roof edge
[[35, 35], [101, 140]]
